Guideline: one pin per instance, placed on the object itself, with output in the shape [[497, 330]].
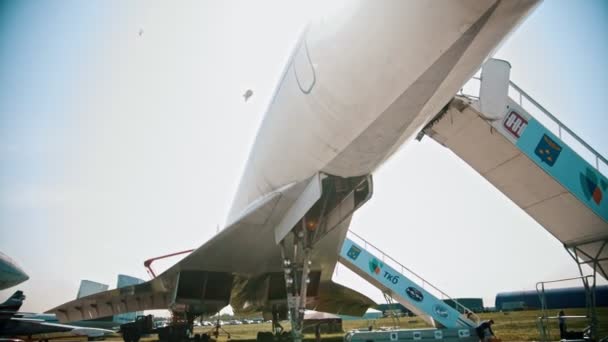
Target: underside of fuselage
[[362, 82]]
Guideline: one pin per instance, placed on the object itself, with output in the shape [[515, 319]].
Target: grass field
[[509, 326]]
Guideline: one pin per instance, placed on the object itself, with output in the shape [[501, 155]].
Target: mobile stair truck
[[412, 291], [533, 159]]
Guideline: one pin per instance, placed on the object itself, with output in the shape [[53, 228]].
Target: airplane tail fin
[[88, 287], [13, 303], [125, 280]]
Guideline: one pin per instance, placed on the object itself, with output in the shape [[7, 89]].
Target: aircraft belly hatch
[[310, 195]]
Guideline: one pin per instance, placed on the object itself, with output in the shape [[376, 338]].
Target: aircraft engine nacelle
[[199, 292]]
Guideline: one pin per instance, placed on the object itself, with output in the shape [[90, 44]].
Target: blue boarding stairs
[[536, 161], [404, 286]]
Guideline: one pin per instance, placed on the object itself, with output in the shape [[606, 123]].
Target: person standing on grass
[[318, 332], [562, 324]]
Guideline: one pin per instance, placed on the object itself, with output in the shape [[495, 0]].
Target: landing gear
[[180, 330], [278, 333], [297, 268], [173, 333], [339, 198], [216, 331], [277, 328]]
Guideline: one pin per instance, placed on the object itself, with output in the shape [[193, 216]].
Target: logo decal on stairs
[[414, 293], [375, 266], [548, 150], [515, 124], [353, 252], [593, 186], [441, 311]]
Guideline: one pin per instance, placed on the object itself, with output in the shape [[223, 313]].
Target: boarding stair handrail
[[391, 304], [421, 281], [561, 127]]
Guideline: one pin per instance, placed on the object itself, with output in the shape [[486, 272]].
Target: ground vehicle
[[132, 331]]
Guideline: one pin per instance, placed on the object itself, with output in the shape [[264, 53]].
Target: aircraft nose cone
[[20, 276], [10, 273]]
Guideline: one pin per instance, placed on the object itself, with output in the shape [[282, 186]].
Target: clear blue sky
[[116, 147]]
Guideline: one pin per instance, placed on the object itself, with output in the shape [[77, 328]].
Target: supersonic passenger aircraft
[[358, 85]]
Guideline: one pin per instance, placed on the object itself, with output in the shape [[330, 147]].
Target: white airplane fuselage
[[359, 83], [363, 81]]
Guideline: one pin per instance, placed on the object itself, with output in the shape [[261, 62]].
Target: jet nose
[[10, 273], [12, 278], [20, 275]]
